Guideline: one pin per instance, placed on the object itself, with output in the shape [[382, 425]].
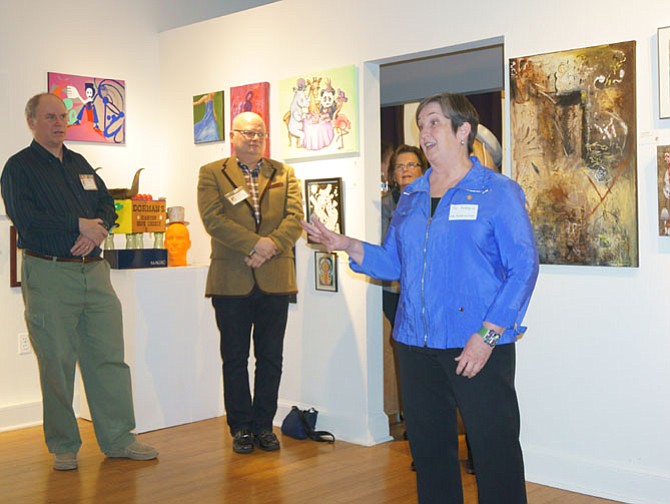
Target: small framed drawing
[[325, 271], [14, 260], [664, 72], [324, 202]]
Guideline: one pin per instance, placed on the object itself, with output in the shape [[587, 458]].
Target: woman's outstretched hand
[[319, 233]]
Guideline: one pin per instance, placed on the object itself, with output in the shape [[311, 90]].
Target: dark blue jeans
[[236, 317], [431, 392]]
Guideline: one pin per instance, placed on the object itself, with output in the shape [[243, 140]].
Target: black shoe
[[243, 442], [267, 441], [412, 466]]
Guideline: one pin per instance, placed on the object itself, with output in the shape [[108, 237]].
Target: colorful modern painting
[[574, 152], [251, 98], [319, 114], [663, 163], [96, 107], [208, 117]]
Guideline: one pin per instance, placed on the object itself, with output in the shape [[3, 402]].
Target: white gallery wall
[[83, 38], [593, 366]]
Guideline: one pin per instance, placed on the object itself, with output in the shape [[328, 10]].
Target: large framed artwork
[[323, 199], [664, 72], [96, 107], [208, 117], [663, 164], [251, 98], [319, 114], [573, 131]]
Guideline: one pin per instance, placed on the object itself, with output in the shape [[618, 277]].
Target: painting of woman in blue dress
[[208, 117]]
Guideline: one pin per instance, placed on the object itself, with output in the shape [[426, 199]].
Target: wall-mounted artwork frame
[[325, 271], [574, 152], [251, 98], [664, 72], [663, 170], [208, 110], [14, 259], [96, 107], [323, 199], [319, 114]]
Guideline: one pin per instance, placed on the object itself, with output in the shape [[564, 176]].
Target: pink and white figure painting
[[319, 114], [96, 107]]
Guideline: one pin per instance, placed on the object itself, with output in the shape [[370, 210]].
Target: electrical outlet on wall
[[24, 344]]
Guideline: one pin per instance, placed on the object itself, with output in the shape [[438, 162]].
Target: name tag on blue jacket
[[463, 212]]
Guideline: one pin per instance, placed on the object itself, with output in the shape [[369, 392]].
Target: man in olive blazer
[[251, 207]]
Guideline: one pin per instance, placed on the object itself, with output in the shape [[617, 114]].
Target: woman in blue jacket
[[462, 246]]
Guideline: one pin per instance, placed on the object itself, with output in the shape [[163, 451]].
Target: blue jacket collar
[[478, 179]]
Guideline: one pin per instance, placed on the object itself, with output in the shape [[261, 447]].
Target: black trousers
[[235, 318], [431, 393]]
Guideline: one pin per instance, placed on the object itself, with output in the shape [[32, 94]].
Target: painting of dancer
[[208, 117]]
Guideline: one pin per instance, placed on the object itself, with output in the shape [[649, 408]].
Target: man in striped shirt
[[62, 212]]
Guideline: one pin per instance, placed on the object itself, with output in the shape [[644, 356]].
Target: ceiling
[[175, 13]]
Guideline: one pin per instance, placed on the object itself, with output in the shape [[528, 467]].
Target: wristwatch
[[489, 336]]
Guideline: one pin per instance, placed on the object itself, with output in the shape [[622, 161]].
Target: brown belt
[[85, 259]]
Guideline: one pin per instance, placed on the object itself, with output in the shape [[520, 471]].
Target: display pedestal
[[171, 346]]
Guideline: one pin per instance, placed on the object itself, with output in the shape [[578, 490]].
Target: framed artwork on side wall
[[325, 271], [663, 164], [664, 72], [319, 114], [208, 117], [96, 107], [323, 198], [574, 152], [251, 98], [15, 257]]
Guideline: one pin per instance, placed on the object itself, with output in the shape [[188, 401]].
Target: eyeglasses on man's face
[[402, 166], [250, 135]]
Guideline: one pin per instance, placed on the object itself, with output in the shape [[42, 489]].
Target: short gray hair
[[31, 106]]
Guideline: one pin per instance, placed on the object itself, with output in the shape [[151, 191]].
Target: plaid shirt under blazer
[[234, 231]]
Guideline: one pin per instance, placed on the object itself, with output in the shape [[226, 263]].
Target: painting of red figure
[[251, 98], [95, 106]]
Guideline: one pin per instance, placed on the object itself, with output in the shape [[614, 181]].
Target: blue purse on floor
[[300, 424]]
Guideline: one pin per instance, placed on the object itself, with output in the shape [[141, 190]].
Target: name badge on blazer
[[237, 195], [463, 212]]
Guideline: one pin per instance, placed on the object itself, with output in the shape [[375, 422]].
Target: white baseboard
[[600, 478], [357, 430], [19, 416]]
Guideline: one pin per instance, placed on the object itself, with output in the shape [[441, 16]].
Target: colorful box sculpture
[[140, 216]]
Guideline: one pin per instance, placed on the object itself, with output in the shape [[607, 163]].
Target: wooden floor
[[197, 465]]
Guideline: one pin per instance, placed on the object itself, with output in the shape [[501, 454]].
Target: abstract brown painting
[[574, 152]]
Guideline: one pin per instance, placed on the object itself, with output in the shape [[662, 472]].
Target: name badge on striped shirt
[[237, 195], [88, 182]]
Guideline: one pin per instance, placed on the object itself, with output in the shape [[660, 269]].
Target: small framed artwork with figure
[[324, 202], [325, 271]]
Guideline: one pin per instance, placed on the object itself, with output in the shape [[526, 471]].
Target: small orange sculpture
[[177, 237]]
